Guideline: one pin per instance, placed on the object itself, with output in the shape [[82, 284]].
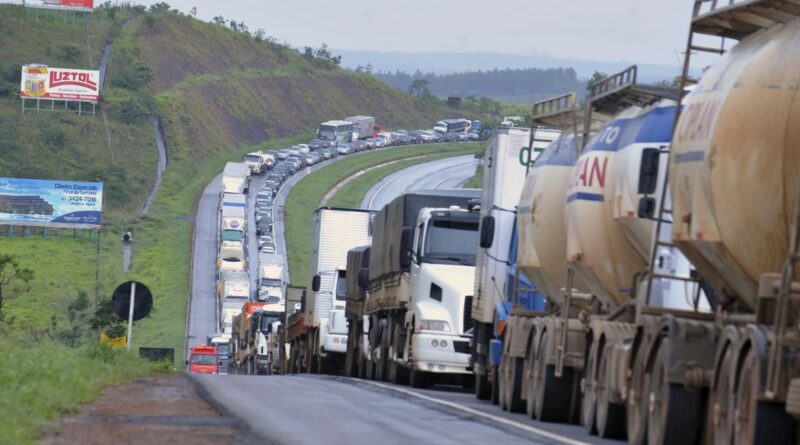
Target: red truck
[[203, 360]]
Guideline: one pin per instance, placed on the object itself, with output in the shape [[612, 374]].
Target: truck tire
[[759, 421], [398, 372], [513, 391], [610, 416], [554, 394], [483, 391], [420, 379], [637, 399], [494, 377], [503, 382], [530, 371], [589, 401], [721, 398], [674, 414]]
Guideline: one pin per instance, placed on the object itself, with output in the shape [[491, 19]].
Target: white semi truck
[[509, 153], [233, 290], [233, 212], [363, 126], [419, 280], [270, 276], [235, 178], [334, 232]]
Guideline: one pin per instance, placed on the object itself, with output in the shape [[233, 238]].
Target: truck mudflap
[[441, 353]]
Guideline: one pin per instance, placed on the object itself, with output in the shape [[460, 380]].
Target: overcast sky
[[641, 31]]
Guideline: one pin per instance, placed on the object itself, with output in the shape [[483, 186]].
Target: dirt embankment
[[161, 410]]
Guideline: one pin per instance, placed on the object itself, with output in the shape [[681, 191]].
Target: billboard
[[38, 202], [69, 5], [43, 82]]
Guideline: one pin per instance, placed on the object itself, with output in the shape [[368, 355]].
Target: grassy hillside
[[219, 93]]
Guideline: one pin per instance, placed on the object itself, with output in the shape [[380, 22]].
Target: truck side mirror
[[315, 282], [648, 171], [303, 301], [487, 232], [406, 240], [363, 278]]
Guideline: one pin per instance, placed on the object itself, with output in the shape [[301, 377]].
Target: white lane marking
[[502, 420]]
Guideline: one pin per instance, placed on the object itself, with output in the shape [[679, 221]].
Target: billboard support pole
[[97, 272], [130, 315]]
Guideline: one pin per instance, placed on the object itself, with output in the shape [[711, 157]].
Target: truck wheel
[[588, 403], [503, 382], [637, 399], [514, 401], [483, 391], [553, 395], [758, 421], [369, 370], [530, 382], [419, 379], [610, 416], [674, 415], [398, 372], [720, 399], [494, 377]]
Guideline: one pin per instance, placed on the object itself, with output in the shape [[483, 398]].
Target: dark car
[[277, 177], [281, 154], [264, 226], [359, 146], [316, 144]]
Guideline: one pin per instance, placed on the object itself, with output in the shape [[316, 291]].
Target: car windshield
[[204, 359], [451, 241]]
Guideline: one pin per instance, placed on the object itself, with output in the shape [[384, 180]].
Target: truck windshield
[[451, 241], [253, 158], [266, 320], [327, 132], [266, 282], [341, 286], [203, 359], [222, 348]]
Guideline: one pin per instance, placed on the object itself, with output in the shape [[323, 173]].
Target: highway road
[[439, 174], [310, 409]]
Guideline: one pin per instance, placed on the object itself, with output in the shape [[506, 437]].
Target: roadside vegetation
[[308, 192], [476, 181]]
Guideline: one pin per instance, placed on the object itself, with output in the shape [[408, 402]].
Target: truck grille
[[467, 321]]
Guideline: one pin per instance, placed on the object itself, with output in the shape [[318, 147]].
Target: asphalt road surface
[[440, 174]]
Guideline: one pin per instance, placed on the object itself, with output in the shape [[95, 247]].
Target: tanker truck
[[505, 166], [421, 270], [324, 335], [243, 338]]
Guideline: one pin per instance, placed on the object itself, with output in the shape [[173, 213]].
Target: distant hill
[[447, 63], [523, 86]]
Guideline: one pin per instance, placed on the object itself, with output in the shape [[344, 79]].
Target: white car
[[304, 148], [265, 239], [267, 248]]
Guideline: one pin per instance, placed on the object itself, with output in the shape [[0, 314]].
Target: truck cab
[[333, 330], [203, 360], [222, 342], [442, 272]]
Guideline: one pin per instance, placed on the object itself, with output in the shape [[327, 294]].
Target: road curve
[[441, 173]]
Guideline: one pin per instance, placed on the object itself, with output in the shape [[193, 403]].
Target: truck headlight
[[434, 325]]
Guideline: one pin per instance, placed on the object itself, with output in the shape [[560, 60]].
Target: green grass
[[476, 181], [43, 381], [351, 195], [307, 193]]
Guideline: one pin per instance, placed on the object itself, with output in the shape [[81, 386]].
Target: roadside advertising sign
[[38, 202], [69, 5], [43, 82]]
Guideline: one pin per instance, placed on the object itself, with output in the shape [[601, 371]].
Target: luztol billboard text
[[43, 82], [38, 202], [74, 5]]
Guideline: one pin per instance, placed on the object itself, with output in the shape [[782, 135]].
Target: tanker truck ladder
[[788, 293], [560, 112]]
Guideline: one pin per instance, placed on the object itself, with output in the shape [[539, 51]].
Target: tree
[[259, 34], [419, 87], [308, 52], [193, 12], [77, 318], [219, 20], [14, 279], [597, 76]]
